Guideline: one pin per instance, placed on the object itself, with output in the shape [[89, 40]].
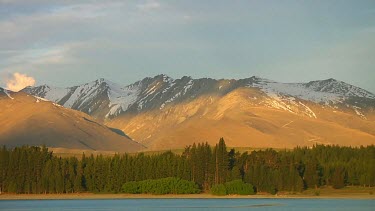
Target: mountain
[[161, 112], [105, 100], [29, 120]]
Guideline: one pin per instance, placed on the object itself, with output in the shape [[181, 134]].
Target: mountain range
[[164, 113], [105, 100]]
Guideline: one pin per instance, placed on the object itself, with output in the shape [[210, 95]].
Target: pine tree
[[221, 162], [312, 174], [338, 178]]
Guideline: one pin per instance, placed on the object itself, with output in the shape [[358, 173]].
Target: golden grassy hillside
[[26, 120], [243, 118]]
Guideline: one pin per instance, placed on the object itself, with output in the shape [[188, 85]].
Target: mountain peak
[[330, 79], [103, 80], [338, 87], [163, 77], [256, 77], [253, 80]]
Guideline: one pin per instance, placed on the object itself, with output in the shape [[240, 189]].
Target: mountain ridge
[[105, 99], [164, 113]]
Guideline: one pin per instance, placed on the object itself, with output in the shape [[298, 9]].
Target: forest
[[200, 168]]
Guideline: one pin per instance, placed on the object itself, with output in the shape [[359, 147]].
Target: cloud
[[150, 5], [19, 81], [48, 25], [187, 17]]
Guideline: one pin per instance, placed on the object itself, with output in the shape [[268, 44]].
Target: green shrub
[[131, 187], [239, 187], [233, 187], [170, 185], [219, 190], [272, 190]]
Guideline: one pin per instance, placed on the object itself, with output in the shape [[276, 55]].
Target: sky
[[70, 42]]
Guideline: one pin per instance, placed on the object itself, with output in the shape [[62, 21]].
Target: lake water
[[189, 204]]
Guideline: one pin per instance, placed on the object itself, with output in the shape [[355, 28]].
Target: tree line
[[36, 170]]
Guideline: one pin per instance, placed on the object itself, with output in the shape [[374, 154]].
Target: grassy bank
[[327, 192]]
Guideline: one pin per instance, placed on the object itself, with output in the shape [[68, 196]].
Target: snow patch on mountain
[[167, 79], [8, 94], [121, 98], [277, 102], [358, 112], [83, 94], [298, 90], [51, 93], [188, 86], [308, 110], [340, 88], [38, 99], [170, 85], [326, 92], [183, 91], [55, 94]]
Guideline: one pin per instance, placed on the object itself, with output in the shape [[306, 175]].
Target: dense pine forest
[[200, 168]]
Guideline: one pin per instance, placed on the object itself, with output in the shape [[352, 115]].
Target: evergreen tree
[[338, 178], [221, 159]]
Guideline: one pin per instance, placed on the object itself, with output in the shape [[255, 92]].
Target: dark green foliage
[[219, 190], [221, 161], [235, 187], [338, 178], [131, 187], [35, 170], [239, 187], [170, 185], [312, 174], [272, 189]]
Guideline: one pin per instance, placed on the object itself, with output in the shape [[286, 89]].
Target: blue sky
[[71, 42]]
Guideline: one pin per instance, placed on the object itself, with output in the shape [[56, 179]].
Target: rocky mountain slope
[[162, 112], [29, 120]]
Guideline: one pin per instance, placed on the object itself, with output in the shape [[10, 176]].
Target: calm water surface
[[189, 204]]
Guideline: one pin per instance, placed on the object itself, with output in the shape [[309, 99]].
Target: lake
[[189, 204]]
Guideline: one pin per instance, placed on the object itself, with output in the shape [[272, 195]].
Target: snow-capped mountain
[[164, 113], [331, 93], [105, 99], [100, 98]]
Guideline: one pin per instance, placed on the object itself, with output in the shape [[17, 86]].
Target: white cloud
[[187, 17], [51, 25], [150, 5], [19, 81], [53, 55], [40, 60]]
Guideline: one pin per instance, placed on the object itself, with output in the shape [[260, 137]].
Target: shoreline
[[92, 196]]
